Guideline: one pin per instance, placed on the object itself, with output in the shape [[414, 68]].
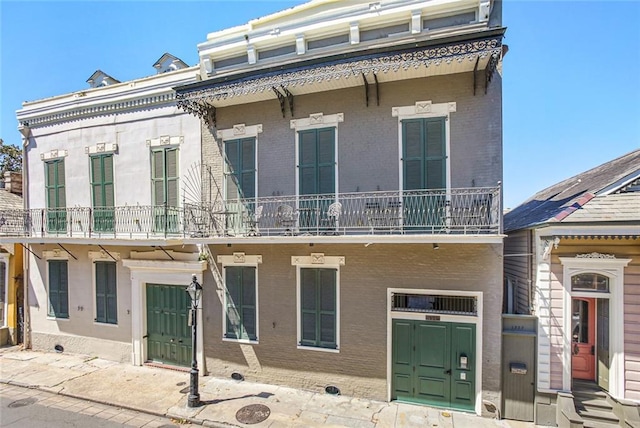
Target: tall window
[[317, 161], [318, 308], [106, 293], [58, 289], [56, 202], [241, 319], [164, 179], [241, 172], [424, 153], [102, 191]]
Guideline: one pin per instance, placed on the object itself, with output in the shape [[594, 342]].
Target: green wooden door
[[434, 363], [168, 332]]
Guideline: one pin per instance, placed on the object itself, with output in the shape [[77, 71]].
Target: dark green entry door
[[434, 363], [168, 335]]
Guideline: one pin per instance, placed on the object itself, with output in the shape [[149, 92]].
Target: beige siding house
[[572, 258]]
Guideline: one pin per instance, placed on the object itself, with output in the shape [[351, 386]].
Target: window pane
[[590, 281]]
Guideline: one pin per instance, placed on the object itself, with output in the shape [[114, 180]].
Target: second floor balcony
[[468, 211]]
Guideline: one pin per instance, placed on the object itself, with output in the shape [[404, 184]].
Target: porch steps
[[593, 407]]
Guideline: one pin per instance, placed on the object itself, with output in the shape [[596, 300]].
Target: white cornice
[[142, 93]]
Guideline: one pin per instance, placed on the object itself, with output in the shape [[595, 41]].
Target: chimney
[[13, 182]]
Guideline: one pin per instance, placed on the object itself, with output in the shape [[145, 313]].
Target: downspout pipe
[[26, 279]]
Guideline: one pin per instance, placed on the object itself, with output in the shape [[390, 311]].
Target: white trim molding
[[317, 120], [613, 268], [55, 254], [239, 130], [240, 259], [165, 140], [317, 261], [104, 256], [145, 271], [54, 154], [101, 148]]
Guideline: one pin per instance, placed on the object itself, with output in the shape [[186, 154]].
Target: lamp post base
[[193, 400]]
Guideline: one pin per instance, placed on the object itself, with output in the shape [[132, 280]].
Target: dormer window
[[99, 79], [168, 63]]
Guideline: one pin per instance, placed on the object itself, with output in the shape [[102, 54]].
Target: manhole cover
[[23, 402], [253, 414]]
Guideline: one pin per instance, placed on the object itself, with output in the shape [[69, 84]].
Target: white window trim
[[612, 268], [57, 254], [54, 154], [102, 256], [165, 141], [101, 148], [239, 131], [477, 320], [317, 261], [239, 259], [317, 121], [4, 259], [425, 109], [177, 271]]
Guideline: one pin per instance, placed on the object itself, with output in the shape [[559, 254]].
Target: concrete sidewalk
[[163, 392]]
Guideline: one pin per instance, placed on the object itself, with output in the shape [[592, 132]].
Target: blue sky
[[571, 78]]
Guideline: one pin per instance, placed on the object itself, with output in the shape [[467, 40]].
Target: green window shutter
[[106, 293], [58, 289], [241, 302], [241, 168], [55, 183], [172, 177], [316, 155], [102, 180], [318, 307], [424, 153]]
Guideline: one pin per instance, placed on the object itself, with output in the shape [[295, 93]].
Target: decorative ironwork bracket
[[280, 98], [210, 118], [289, 98], [475, 75], [488, 72], [366, 89]]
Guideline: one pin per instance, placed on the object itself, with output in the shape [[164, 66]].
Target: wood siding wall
[[517, 268]]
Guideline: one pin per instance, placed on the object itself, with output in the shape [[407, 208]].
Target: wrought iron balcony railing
[[456, 211]]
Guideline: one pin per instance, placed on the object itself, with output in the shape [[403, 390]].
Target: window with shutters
[[106, 292], [102, 192], [56, 198], [241, 303], [241, 168], [318, 323], [424, 153], [58, 291], [164, 181]]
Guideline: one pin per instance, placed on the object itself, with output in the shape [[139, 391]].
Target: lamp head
[[194, 289]]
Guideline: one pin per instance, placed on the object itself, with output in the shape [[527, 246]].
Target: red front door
[[583, 338]]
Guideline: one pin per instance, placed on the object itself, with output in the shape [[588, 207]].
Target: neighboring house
[[572, 258], [102, 189], [353, 158], [344, 220], [11, 291]]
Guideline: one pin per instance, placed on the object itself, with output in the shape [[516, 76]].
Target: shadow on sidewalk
[[264, 395]]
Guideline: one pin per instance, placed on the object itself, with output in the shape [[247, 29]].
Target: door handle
[[575, 349], [593, 350], [447, 372]]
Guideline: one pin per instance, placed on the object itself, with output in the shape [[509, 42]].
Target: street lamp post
[[195, 290]]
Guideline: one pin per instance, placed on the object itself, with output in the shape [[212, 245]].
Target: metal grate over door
[[434, 303]]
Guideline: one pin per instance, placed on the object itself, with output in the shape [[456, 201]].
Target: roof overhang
[[410, 59]]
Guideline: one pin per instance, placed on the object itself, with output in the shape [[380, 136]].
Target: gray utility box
[[518, 366]]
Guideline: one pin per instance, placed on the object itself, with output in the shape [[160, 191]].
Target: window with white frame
[[240, 274], [318, 300]]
